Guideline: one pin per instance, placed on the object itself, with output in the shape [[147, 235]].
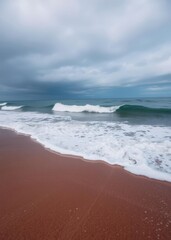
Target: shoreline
[[46, 195], [81, 157]]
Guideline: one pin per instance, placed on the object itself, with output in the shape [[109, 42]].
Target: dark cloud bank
[[99, 48]]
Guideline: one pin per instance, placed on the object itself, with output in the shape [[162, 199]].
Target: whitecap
[[59, 107], [3, 104], [11, 108]]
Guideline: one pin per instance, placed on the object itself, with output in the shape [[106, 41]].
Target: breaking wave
[[3, 104], [10, 108], [59, 107], [122, 109]]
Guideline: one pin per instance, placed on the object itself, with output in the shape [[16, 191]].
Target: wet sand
[[44, 195]]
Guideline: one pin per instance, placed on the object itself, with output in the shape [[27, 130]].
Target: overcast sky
[[85, 49]]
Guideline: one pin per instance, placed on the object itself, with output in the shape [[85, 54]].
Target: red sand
[[48, 196]]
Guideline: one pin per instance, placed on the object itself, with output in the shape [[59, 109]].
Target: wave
[[3, 104], [59, 107], [122, 110], [125, 109], [11, 108], [138, 109]]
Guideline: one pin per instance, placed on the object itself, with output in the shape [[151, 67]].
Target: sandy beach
[[44, 195]]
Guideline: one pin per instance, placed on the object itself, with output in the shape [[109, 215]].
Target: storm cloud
[[93, 48]]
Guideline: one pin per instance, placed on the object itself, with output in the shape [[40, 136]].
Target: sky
[[85, 49]]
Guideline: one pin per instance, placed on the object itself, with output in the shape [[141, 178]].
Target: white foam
[[141, 149], [59, 107], [3, 104], [11, 108]]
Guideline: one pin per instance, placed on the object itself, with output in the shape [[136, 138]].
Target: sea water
[[134, 133]]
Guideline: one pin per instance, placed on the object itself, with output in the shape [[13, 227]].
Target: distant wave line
[[10, 108]]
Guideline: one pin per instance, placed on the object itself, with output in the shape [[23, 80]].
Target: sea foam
[[141, 149]]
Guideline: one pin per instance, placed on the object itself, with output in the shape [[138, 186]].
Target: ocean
[[133, 133]]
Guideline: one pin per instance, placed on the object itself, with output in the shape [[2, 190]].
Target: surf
[[59, 107], [11, 108], [3, 104]]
